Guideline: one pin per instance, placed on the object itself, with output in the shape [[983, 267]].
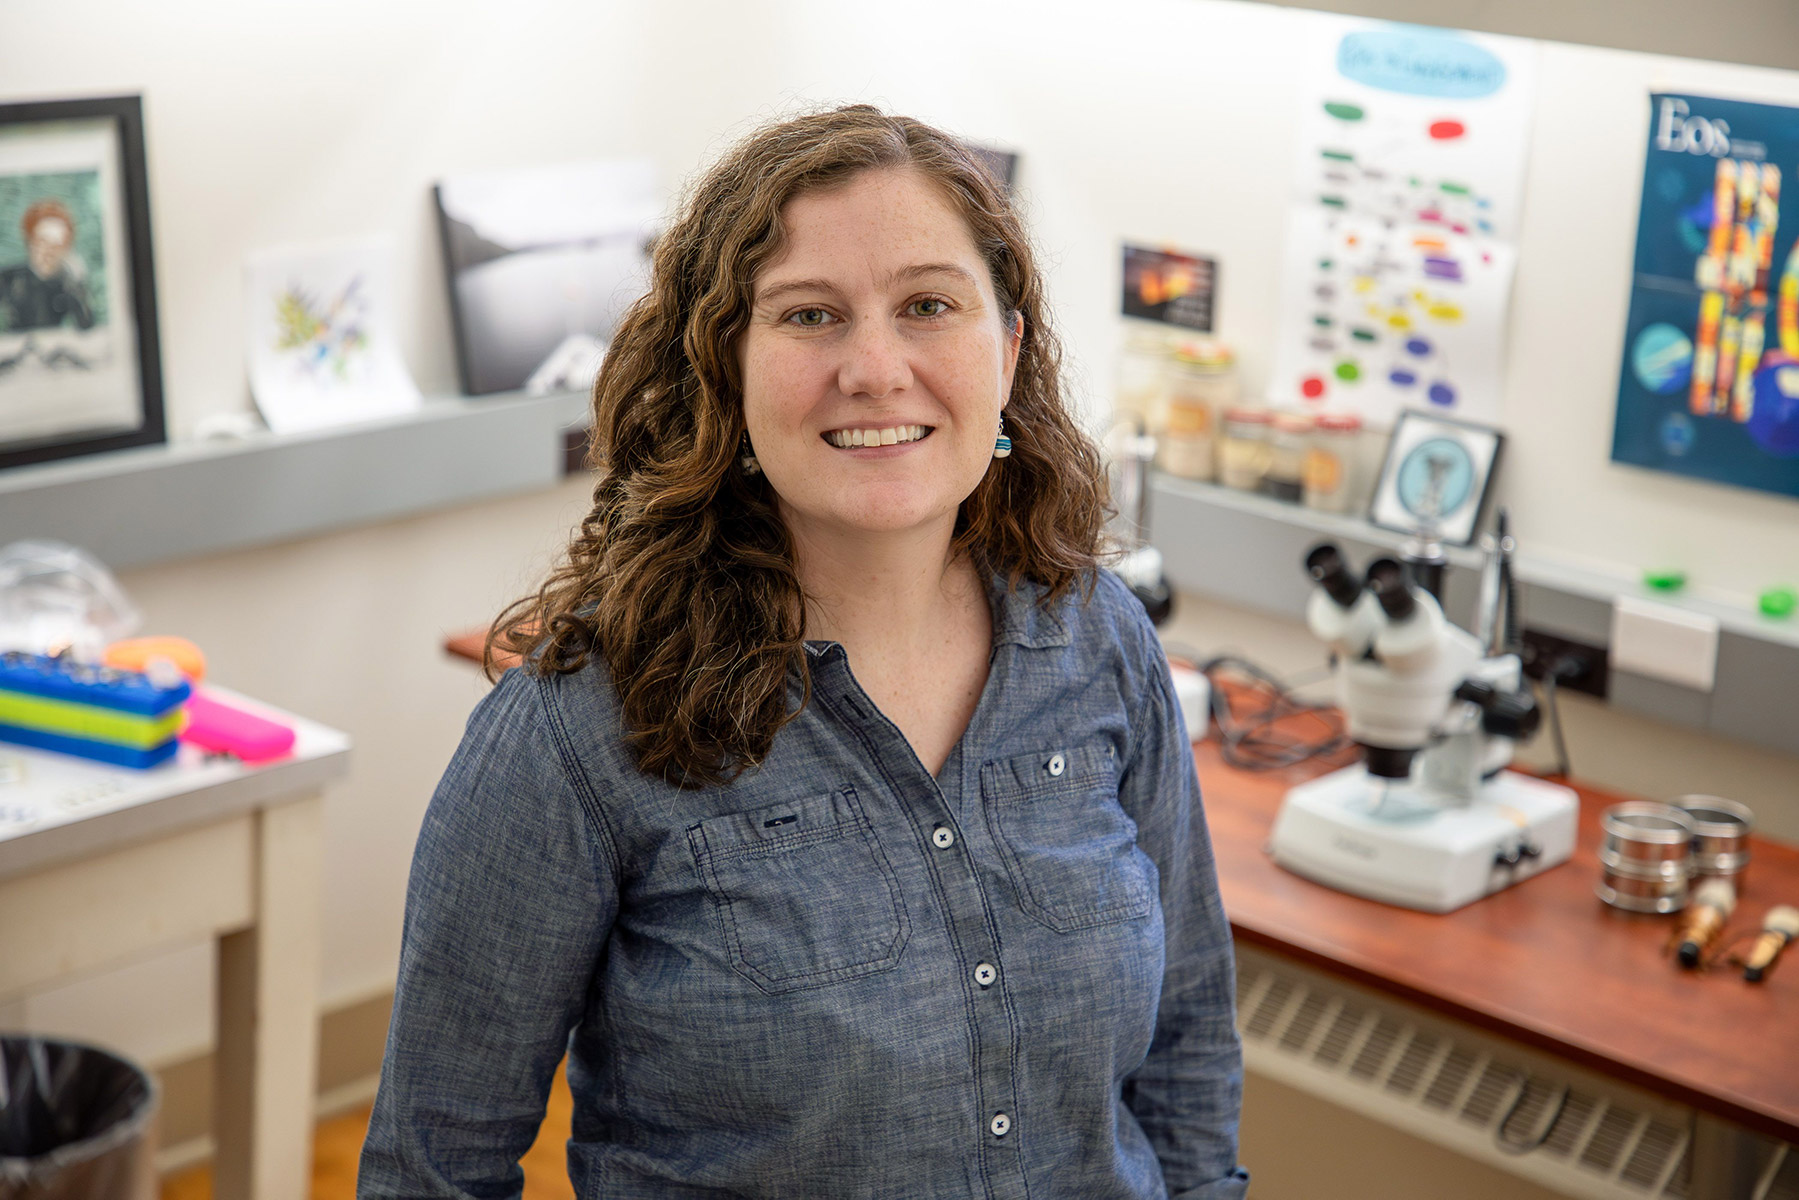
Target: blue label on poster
[[1709, 385], [1415, 61]]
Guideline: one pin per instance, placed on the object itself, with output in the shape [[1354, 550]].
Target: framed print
[[1169, 286], [1435, 477], [1003, 163], [542, 263], [80, 371]]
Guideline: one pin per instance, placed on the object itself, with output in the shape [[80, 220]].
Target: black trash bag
[[74, 1123]]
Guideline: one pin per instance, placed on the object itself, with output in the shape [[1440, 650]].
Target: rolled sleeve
[[511, 899], [1188, 1093]]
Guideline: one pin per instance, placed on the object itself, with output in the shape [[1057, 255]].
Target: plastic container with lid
[[1331, 476], [1243, 448], [1289, 438]]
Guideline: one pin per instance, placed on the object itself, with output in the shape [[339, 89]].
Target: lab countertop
[[1543, 962]]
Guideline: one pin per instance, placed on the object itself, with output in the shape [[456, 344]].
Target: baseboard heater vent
[[1544, 1120]]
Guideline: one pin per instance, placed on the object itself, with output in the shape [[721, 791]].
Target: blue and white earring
[[1002, 445], [747, 458]]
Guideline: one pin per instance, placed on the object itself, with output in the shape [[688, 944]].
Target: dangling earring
[[1002, 445], [747, 458]]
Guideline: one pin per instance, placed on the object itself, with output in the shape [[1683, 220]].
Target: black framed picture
[[80, 370], [1436, 476]]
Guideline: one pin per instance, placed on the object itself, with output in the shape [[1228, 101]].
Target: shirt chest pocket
[[1069, 847], [804, 893]]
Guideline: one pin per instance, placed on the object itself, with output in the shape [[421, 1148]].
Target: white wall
[[1157, 120]]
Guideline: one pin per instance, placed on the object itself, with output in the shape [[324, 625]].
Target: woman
[[842, 828]]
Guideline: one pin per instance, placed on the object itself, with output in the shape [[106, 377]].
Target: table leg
[[268, 1017], [1726, 1160]]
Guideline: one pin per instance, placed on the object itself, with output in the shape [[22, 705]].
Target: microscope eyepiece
[[1326, 567], [1386, 579]]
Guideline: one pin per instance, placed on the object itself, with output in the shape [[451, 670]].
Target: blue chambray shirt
[[837, 976]]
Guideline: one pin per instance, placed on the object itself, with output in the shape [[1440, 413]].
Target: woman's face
[[876, 361], [48, 245]]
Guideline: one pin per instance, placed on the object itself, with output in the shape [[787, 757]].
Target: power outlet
[[1578, 666]]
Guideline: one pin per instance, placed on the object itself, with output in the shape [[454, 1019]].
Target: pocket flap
[[774, 826], [1049, 771]]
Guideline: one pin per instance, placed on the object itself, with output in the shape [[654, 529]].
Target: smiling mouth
[[893, 435]]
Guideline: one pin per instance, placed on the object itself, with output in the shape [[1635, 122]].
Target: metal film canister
[[1720, 835], [1645, 857]]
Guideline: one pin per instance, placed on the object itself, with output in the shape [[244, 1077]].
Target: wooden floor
[[339, 1144]]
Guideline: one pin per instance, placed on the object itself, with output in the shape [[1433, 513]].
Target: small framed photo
[[80, 371], [1169, 286], [1435, 477]]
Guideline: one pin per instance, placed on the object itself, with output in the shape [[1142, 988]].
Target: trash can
[[75, 1123]]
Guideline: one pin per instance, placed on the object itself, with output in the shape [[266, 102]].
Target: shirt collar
[[1019, 619]]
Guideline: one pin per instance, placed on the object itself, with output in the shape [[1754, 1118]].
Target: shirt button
[[984, 974], [1055, 765], [1001, 1124], [942, 838]]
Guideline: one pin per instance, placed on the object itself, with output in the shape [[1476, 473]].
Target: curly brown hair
[[682, 576], [44, 210]]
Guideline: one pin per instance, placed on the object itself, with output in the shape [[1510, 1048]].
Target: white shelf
[[156, 503]]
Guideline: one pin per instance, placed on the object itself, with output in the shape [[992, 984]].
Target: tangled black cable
[[1250, 740], [1513, 1145]]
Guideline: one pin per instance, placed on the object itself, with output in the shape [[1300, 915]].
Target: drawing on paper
[[323, 339], [322, 347]]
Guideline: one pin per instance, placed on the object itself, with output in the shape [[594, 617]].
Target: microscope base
[[1408, 848]]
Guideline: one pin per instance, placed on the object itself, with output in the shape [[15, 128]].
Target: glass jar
[[1289, 437], [1185, 447], [1143, 379], [1243, 449], [1332, 474], [1202, 371], [1202, 382]]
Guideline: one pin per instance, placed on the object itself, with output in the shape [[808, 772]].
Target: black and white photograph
[[542, 262]]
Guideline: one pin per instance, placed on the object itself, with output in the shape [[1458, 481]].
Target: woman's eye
[[930, 306], [810, 318]]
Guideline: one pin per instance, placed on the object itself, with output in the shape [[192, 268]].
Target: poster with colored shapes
[[1402, 230], [1709, 385], [322, 348]]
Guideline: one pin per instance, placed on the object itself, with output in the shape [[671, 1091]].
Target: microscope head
[[1398, 659]]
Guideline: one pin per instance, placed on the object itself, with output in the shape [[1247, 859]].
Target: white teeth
[[892, 436]]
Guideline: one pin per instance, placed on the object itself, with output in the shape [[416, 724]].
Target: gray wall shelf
[[1247, 550], [155, 504]]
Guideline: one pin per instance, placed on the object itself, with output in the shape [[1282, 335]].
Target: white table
[[100, 863]]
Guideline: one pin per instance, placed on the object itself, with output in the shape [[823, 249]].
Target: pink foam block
[[217, 727]]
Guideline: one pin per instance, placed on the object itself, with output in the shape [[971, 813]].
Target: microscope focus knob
[[1476, 691], [1512, 715]]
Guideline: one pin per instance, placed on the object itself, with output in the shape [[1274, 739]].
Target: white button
[[984, 974], [1055, 765], [942, 838], [1001, 1124]]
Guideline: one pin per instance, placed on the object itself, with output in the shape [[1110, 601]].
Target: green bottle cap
[[1779, 602], [1665, 581]]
